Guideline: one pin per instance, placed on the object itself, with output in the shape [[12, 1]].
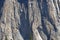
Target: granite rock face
[[30, 20]]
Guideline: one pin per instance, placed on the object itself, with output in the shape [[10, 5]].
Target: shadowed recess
[[24, 28], [23, 1], [1, 5]]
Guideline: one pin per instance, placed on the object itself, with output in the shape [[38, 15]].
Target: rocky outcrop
[[30, 20]]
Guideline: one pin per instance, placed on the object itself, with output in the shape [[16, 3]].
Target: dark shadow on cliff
[[1, 5], [24, 28], [23, 2], [45, 15]]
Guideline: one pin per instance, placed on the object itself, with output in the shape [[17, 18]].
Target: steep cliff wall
[[30, 20]]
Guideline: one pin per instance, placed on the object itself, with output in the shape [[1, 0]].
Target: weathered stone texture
[[30, 20]]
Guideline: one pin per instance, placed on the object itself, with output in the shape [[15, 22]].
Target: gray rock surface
[[30, 20]]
